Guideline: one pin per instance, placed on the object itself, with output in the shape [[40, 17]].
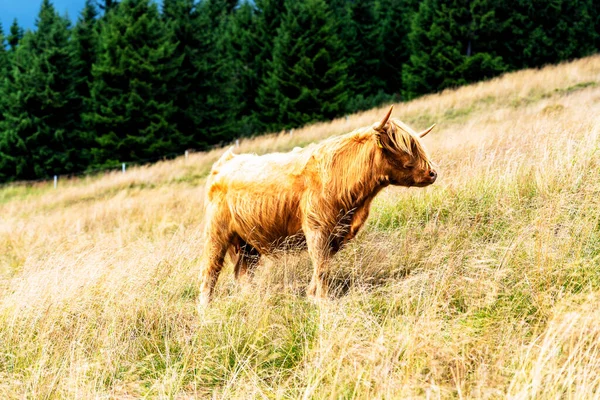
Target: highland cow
[[317, 197]]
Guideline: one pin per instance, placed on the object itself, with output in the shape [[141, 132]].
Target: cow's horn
[[426, 131], [385, 119]]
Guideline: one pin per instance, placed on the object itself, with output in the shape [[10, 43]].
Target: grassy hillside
[[484, 285]]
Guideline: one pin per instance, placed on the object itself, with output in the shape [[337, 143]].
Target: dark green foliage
[[443, 43], [40, 135], [85, 38], [204, 87], [107, 5], [3, 55], [595, 14], [541, 32], [4, 70], [395, 18], [251, 35], [85, 42], [307, 78], [128, 83], [214, 109], [16, 34], [132, 105], [361, 34], [242, 35], [181, 20]]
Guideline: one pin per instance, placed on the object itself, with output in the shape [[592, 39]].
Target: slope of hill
[[486, 284]]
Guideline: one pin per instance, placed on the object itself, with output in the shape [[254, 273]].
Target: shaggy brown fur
[[318, 196]]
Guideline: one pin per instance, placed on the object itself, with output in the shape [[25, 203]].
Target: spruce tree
[[215, 109], [528, 33], [40, 128], [395, 19], [132, 105], [4, 60], [595, 14], [15, 36], [442, 41], [251, 36], [4, 70], [203, 106], [85, 44], [242, 36], [107, 5], [85, 38], [306, 79], [361, 31], [543, 32], [268, 15], [179, 17]]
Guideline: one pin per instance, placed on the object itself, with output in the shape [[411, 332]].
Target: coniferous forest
[[135, 81]]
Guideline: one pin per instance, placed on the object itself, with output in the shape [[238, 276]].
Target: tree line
[[134, 80]]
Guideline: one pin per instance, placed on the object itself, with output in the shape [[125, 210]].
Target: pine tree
[[85, 38], [307, 77], [543, 32], [251, 36], [16, 34], [179, 17], [132, 105], [85, 43], [107, 5], [268, 15], [242, 36], [5, 67], [4, 70], [215, 108], [4, 60], [395, 21], [203, 105], [40, 128], [442, 42], [533, 33], [596, 22], [362, 34]]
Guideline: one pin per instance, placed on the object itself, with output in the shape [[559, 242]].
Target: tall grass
[[484, 285]]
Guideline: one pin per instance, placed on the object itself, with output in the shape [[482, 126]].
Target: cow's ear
[[380, 127]]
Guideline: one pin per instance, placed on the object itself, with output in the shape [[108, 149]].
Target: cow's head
[[406, 162]]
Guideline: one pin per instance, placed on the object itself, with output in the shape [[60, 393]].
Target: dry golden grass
[[484, 285]]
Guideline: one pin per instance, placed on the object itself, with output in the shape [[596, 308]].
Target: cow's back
[[261, 195]]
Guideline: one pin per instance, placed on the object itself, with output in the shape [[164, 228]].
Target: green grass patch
[[577, 87], [21, 192]]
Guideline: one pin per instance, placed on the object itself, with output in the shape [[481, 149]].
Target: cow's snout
[[432, 175]]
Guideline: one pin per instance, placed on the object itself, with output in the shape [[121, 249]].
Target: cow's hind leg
[[213, 257], [247, 261], [217, 241]]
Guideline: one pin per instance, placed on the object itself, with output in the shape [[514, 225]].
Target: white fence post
[[123, 167], [237, 142], [186, 154], [55, 181]]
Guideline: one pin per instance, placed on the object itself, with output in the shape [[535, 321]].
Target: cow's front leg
[[319, 249], [358, 220]]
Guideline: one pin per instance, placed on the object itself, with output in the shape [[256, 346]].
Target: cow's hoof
[[316, 295], [203, 303]]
